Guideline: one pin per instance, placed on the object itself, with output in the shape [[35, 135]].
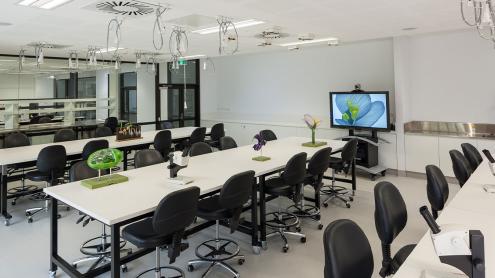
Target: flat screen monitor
[[360, 110]]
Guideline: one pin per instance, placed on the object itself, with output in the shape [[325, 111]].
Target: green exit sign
[[183, 62]]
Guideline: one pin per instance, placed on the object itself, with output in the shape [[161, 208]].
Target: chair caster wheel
[[298, 229], [351, 199], [28, 214], [241, 261], [7, 222], [303, 240], [190, 268], [30, 220], [51, 274], [318, 217], [13, 203], [74, 266], [325, 205], [285, 249], [67, 209], [348, 205], [59, 216], [124, 268], [320, 226]]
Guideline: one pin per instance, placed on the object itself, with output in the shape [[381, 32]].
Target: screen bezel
[[386, 93]]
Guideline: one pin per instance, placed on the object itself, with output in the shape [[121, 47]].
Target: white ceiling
[[349, 20]]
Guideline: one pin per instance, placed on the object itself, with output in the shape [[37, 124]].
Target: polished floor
[[25, 247]]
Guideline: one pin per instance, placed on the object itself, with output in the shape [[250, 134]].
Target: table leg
[[125, 159], [53, 236], [262, 211], [115, 250], [353, 172], [254, 219], [3, 197]]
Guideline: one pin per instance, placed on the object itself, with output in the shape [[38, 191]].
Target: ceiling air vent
[[129, 8]]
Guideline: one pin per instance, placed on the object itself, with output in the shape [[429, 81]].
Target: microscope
[[458, 247], [178, 161]]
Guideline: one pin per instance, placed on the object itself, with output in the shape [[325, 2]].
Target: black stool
[[316, 168], [288, 184], [166, 228], [51, 166], [227, 205], [342, 164]]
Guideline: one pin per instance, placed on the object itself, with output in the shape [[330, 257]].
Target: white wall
[[44, 87]]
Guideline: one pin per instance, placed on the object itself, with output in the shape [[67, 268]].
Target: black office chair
[[103, 131], [163, 143], [199, 148], [198, 135], [217, 132], [390, 220], [50, 166], [166, 125], [347, 251], [44, 120], [166, 228], [147, 157], [268, 135], [97, 249], [472, 155], [437, 189], [317, 166], [112, 123], [64, 135], [341, 164], [227, 205], [460, 165], [93, 146], [226, 143], [15, 140], [288, 184]]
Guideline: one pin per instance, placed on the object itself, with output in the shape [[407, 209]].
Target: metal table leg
[[254, 219], [53, 237], [3, 196], [115, 250], [262, 211], [125, 159]]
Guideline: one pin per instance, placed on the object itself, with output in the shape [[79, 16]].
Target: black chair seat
[[143, 235], [402, 255], [336, 163], [278, 187], [210, 209], [40, 176]]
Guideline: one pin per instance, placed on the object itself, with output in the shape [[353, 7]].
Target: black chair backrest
[[176, 211], [147, 157], [489, 156], [227, 142], [349, 150], [103, 131], [198, 135], [166, 125], [93, 146], [237, 190], [217, 132], [199, 148], [460, 164], [112, 123], [347, 251], [163, 142], [81, 171], [437, 188], [44, 120], [52, 160], [64, 135], [390, 212], [318, 164], [268, 135], [472, 155], [295, 169], [15, 140]]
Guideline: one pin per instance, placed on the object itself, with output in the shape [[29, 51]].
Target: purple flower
[[260, 142]]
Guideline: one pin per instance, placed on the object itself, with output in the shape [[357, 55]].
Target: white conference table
[[30, 153], [471, 208], [120, 204]]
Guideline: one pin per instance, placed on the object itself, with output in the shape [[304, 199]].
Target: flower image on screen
[[360, 110]]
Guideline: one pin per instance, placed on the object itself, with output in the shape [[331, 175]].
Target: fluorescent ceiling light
[[110, 49], [238, 25], [193, 57], [309, 42], [43, 4]]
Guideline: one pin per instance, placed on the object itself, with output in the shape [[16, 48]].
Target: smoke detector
[[127, 8], [269, 35]]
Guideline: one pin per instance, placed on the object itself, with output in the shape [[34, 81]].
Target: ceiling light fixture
[[238, 25], [228, 36], [43, 4], [138, 59], [191, 57], [110, 49], [482, 17], [327, 40]]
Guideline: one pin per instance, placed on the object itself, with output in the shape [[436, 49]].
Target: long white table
[[12, 156], [472, 208], [124, 203]]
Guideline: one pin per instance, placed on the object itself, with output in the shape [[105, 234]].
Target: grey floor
[[25, 247]]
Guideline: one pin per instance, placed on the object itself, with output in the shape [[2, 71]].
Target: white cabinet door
[[420, 151], [445, 145], [387, 152]]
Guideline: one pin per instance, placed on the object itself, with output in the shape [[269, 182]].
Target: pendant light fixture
[[480, 14], [178, 42], [21, 59], [138, 60], [73, 60], [228, 37]]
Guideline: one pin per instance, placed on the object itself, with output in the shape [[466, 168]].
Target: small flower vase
[[313, 136]]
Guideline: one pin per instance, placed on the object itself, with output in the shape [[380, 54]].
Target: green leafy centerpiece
[[102, 160], [312, 123], [260, 143], [129, 132]]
